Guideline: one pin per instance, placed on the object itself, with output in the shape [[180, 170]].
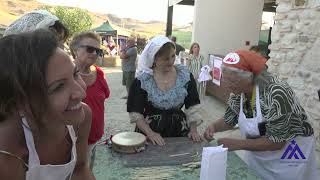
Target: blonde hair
[[75, 42], [193, 44]]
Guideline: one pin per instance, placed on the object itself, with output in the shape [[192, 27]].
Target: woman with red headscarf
[[278, 138]]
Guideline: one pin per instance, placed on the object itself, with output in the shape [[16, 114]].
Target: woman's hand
[[208, 134], [231, 144], [194, 135], [155, 138]]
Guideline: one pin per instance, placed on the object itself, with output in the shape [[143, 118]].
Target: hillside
[[12, 9]]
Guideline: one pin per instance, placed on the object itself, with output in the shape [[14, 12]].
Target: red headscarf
[[246, 60]]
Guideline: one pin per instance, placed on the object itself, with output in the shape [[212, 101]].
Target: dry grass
[[12, 9]]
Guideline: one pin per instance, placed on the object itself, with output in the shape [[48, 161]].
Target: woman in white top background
[[44, 126]]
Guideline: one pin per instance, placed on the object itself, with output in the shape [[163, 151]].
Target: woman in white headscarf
[[39, 19], [159, 92]]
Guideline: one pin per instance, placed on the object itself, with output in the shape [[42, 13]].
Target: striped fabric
[[195, 65], [285, 117]]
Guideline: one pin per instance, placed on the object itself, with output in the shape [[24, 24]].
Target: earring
[[21, 113]]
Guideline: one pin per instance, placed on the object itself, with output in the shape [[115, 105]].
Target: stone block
[[296, 83], [311, 60], [275, 29], [281, 56], [289, 39], [285, 26], [312, 39], [314, 3], [274, 47], [286, 68], [313, 106], [299, 26], [304, 75], [293, 15], [278, 17], [276, 63], [286, 1], [308, 80], [306, 23], [273, 67], [295, 56], [305, 15], [299, 2], [307, 27], [271, 54], [317, 135], [300, 95], [316, 80], [314, 116], [284, 7], [314, 28], [309, 45], [316, 128], [311, 67], [284, 77], [275, 37], [303, 39]]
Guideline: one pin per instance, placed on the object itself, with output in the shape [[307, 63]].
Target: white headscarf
[[146, 59], [31, 21]]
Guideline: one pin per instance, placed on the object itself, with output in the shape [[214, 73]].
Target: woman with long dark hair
[[44, 125]]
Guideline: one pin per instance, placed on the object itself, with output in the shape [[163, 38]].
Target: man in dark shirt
[[128, 56], [178, 46]]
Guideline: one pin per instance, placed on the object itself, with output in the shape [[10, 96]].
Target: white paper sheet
[[214, 163], [113, 52]]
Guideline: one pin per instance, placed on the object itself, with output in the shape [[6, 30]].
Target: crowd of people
[[50, 100]]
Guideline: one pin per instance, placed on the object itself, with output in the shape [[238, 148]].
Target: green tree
[[183, 38], [75, 19]]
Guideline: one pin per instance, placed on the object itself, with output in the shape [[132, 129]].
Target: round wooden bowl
[[128, 142]]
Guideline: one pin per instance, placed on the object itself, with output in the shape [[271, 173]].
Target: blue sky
[[145, 10]]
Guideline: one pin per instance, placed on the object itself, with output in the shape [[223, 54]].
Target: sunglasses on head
[[91, 49]]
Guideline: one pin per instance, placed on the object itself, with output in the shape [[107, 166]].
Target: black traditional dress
[[162, 110]]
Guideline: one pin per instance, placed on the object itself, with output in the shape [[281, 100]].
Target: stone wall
[[295, 53]]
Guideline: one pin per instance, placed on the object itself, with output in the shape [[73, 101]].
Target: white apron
[[286, 164], [48, 172]]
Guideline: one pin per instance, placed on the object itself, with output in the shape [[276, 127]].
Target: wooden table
[[110, 165]]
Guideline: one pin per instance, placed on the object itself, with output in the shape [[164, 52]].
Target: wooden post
[[169, 20]]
